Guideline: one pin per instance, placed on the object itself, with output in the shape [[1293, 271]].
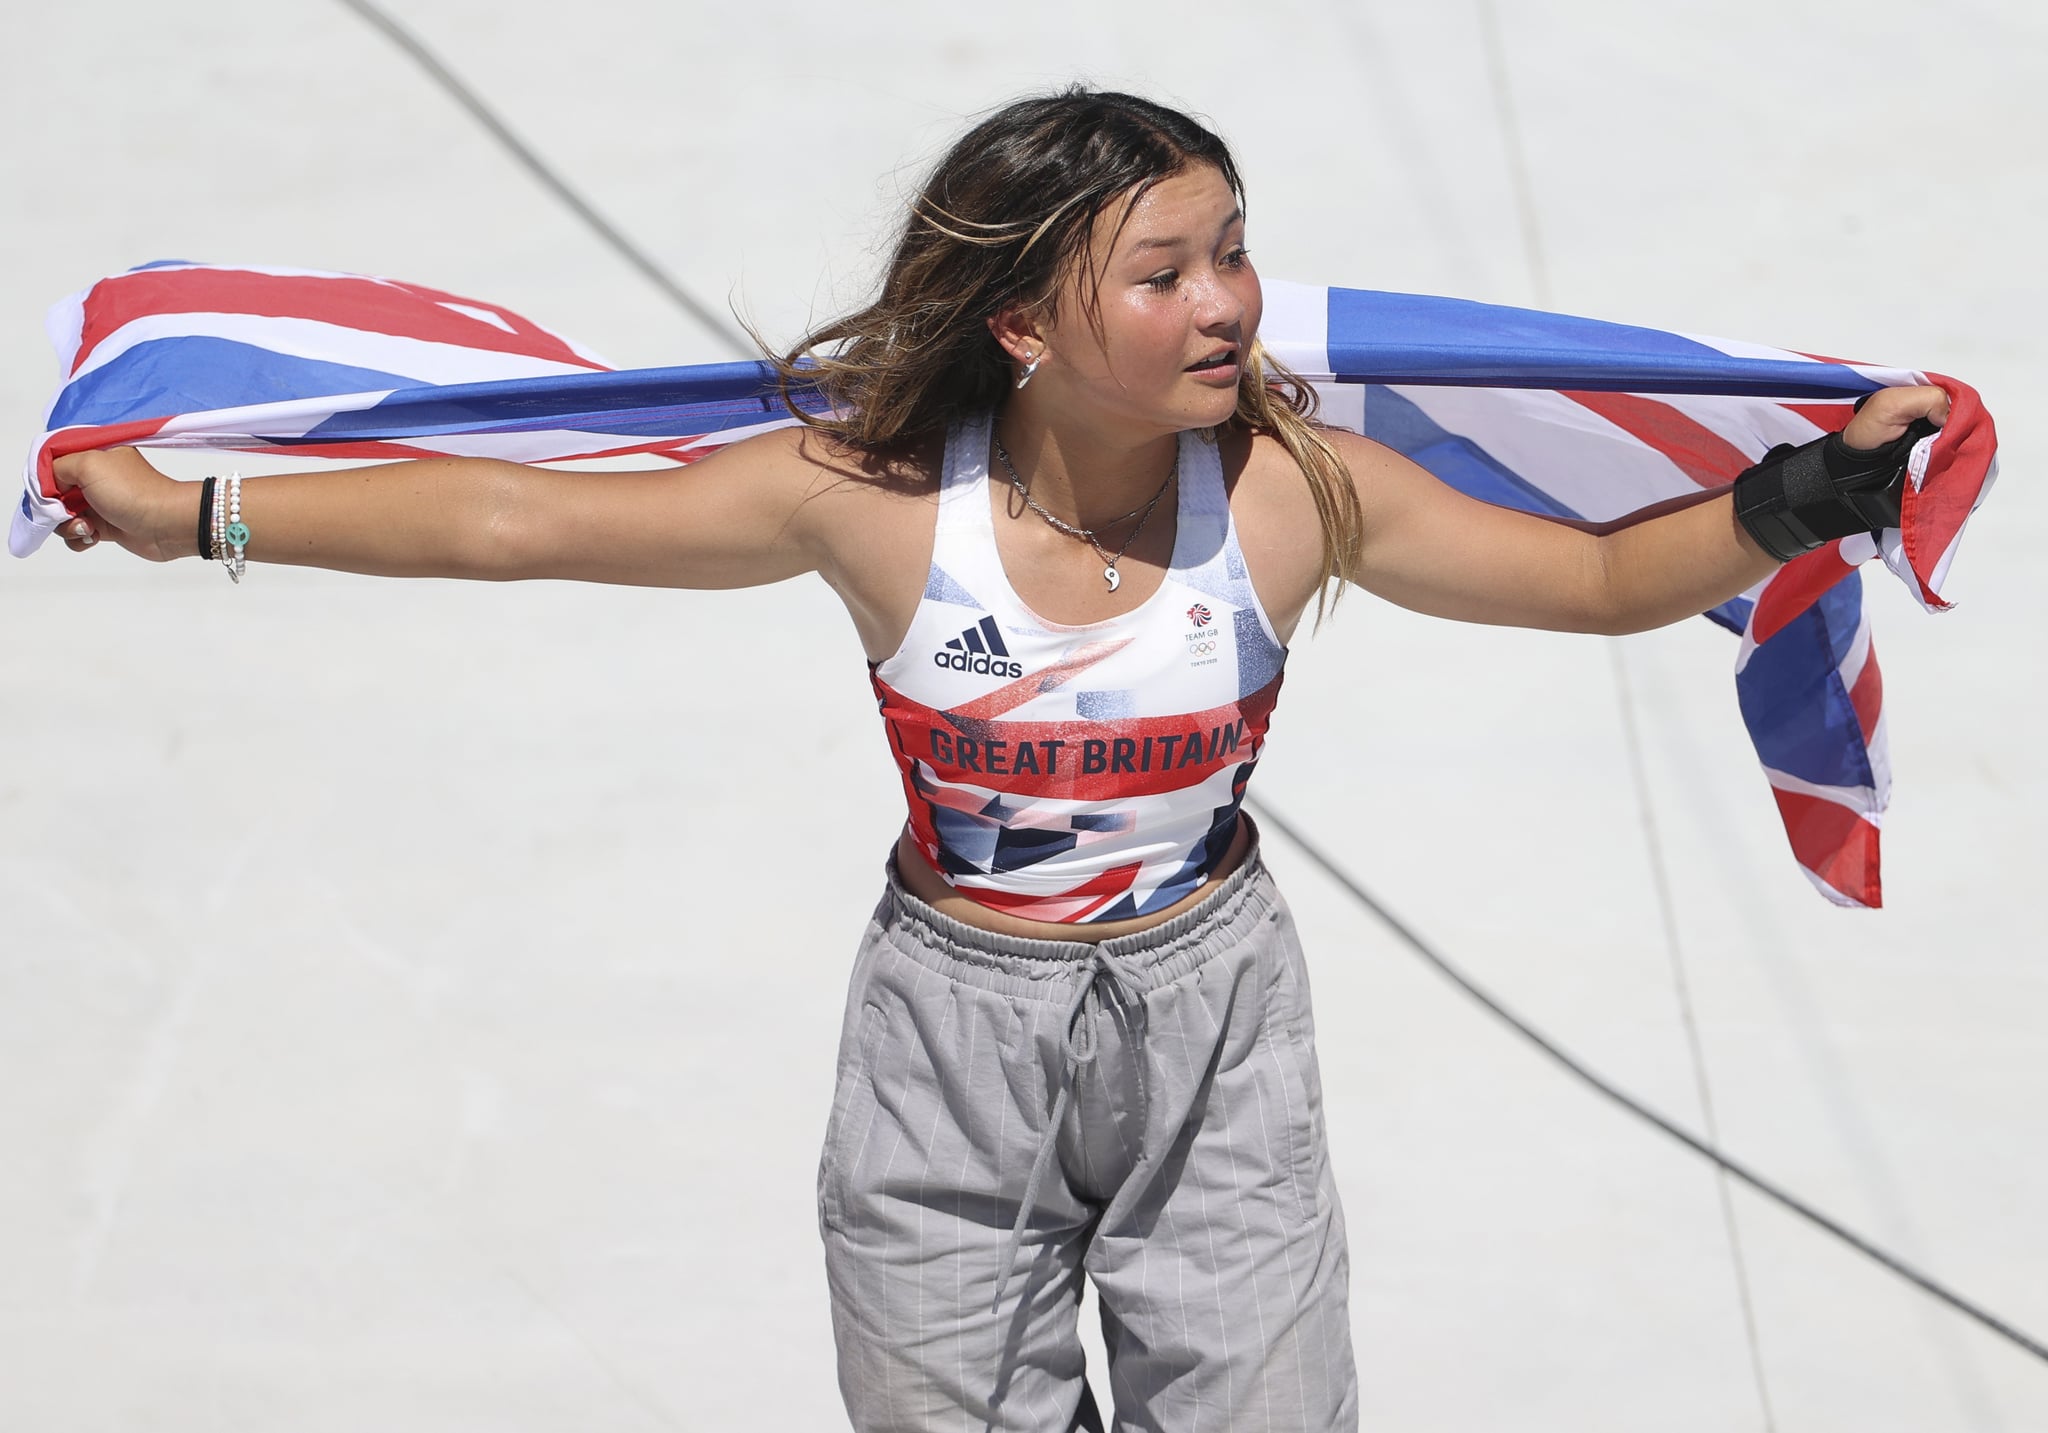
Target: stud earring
[[1031, 368]]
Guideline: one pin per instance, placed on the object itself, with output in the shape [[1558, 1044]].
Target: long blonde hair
[[1006, 216]]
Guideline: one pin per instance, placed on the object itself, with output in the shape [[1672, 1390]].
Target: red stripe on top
[[1835, 843], [377, 306], [1700, 453]]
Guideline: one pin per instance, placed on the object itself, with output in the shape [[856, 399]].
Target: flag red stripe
[[1700, 453], [401, 310], [1935, 512], [1797, 585], [1834, 843]]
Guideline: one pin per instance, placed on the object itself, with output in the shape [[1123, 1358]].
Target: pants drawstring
[[1081, 1012]]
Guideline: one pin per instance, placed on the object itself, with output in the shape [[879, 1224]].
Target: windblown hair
[[1005, 219]]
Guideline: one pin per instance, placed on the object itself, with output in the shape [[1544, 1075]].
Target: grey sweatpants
[[1186, 1174]]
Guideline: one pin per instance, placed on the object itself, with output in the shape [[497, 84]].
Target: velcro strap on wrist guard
[[1798, 499]]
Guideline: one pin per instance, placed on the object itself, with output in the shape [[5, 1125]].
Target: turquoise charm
[[238, 534]]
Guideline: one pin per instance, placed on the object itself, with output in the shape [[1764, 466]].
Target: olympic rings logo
[[1201, 649]]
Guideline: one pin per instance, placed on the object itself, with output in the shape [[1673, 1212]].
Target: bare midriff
[[930, 887]]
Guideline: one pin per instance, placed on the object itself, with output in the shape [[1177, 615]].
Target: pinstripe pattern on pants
[[1188, 1177]]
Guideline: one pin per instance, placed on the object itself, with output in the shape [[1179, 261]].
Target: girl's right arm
[[740, 517]]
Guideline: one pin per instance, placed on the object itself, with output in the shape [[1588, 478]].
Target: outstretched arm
[[736, 518], [1430, 548]]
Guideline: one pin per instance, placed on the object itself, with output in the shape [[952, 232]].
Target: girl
[[1076, 514]]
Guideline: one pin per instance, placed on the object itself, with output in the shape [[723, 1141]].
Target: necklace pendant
[[1112, 577]]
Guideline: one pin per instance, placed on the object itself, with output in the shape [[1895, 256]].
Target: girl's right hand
[[129, 501]]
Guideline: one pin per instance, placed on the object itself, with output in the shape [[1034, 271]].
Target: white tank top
[[1079, 773]]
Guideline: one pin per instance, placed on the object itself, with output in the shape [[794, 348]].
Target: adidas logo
[[980, 650]]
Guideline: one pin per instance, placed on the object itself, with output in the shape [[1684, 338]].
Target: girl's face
[[1178, 306]]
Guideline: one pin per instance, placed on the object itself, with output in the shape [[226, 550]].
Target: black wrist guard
[[1801, 498]]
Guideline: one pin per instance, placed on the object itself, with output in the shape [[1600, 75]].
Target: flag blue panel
[[1419, 338], [168, 376]]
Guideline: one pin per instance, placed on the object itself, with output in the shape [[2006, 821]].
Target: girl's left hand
[[1887, 413]]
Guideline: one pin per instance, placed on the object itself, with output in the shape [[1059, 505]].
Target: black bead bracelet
[[206, 519]]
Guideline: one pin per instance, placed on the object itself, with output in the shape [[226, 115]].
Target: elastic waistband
[[1047, 969]]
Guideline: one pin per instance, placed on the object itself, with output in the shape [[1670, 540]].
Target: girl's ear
[[1016, 329]]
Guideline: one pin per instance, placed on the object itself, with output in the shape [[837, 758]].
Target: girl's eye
[[1238, 258], [1161, 283]]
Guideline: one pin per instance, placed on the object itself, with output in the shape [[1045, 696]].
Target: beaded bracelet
[[236, 531]]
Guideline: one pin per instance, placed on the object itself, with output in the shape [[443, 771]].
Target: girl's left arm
[[1434, 550]]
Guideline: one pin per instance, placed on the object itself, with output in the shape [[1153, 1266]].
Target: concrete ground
[[391, 1035]]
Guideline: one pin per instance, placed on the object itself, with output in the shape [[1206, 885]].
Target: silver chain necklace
[[1087, 534]]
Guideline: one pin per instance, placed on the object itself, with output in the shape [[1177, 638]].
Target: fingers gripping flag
[[1564, 416]]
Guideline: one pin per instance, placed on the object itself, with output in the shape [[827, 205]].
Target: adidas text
[[980, 663]]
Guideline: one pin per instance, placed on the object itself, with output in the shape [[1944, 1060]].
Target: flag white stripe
[[420, 360], [1865, 801], [1296, 327], [1585, 461]]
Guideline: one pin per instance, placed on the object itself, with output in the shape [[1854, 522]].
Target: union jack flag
[[1566, 416]]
